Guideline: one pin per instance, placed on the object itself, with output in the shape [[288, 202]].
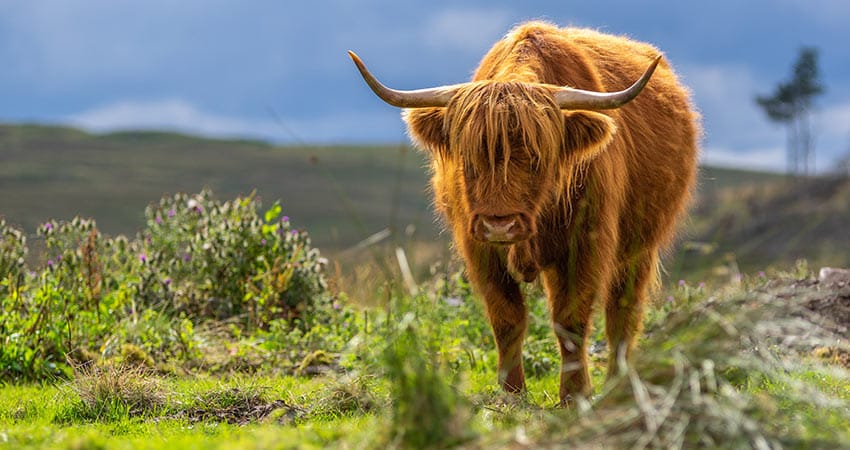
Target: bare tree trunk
[[804, 143], [807, 142], [793, 148]]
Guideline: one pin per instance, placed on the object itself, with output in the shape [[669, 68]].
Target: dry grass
[[728, 373], [107, 393]]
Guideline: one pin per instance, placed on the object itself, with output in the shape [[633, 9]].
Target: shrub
[[197, 261], [223, 260], [13, 251]]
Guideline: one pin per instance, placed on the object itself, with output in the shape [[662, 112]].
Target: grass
[[731, 368]]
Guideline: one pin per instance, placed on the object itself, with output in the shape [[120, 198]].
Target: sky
[[278, 70]]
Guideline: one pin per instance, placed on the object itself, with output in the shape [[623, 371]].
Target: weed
[[427, 412], [113, 393]]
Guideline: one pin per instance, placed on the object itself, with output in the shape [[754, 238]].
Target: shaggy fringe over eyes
[[487, 121]]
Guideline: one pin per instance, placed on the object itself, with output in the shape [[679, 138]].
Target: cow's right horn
[[420, 98], [570, 98]]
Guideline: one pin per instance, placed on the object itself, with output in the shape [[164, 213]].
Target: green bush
[[198, 261], [13, 251], [224, 260]]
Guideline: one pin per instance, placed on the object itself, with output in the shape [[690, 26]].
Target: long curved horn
[[420, 98], [569, 98]]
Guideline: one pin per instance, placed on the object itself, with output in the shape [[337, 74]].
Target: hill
[[340, 194], [767, 223], [343, 194]]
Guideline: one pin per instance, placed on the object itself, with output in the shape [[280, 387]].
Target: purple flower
[[48, 226], [294, 232], [166, 281], [158, 220], [670, 299], [58, 258], [143, 258], [50, 263], [195, 205], [453, 301], [681, 283], [702, 285], [187, 257], [171, 212], [284, 219], [762, 274], [263, 242]]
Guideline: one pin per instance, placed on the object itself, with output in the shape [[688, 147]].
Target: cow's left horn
[[569, 98], [420, 98]]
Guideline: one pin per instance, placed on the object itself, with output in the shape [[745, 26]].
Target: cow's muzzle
[[507, 229]]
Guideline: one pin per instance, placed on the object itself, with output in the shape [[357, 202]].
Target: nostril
[[500, 226]]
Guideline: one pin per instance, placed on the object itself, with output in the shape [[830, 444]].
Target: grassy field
[[217, 325], [753, 366]]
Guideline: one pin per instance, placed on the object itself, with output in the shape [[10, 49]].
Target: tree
[[791, 104]]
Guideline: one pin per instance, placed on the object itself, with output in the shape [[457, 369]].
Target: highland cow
[[548, 165]]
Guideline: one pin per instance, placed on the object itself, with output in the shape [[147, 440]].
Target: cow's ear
[[427, 129], [587, 133]]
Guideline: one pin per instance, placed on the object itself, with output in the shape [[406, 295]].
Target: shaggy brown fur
[[599, 192]]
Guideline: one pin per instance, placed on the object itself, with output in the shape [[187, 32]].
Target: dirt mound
[[826, 302], [832, 299]]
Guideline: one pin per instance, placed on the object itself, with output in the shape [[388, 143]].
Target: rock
[[831, 275]]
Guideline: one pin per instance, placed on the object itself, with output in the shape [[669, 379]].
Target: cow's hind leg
[[625, 306], [571, 306], [506, 311]]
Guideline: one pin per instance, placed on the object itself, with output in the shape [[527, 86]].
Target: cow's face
[[515, 152], [503, 200]]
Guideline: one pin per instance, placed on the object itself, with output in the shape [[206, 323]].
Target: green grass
[[730, 368]]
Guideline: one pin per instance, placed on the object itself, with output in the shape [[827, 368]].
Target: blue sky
[[278, 70]]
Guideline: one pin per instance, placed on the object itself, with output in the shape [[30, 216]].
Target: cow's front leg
[[571, 308], [505, 309]]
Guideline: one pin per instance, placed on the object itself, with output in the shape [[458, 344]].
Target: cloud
[[179, 115], [737, 132], [828, 12], [769, 159], [168, 114], [835, 120], [725, 96], [466, 30]]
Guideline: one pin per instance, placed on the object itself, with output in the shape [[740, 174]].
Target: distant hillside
[[772, 222], [340, 194], [344, 194]]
